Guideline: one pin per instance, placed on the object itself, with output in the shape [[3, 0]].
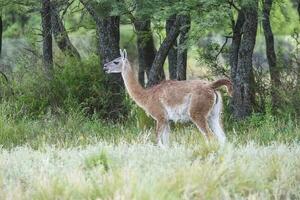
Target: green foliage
[[63, 130], [284, 17], [75, 86], [139, 118], [98, 160], [85, 85], [128, 42], [287, 63], [12, 31], [264, 129]]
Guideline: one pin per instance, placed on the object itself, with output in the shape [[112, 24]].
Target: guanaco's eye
[[116, 62]]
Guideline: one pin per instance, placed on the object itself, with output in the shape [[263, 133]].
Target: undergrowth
[[75, 128]]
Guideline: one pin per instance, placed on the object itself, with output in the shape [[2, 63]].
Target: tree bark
[[160, 57], [146, 48], [244, 90], [182, 50], [235, 45], [109, 37], [298, 9], [60, 34], [1, 30], [47, 37], [172, 55], [108, 32], [270, 51]]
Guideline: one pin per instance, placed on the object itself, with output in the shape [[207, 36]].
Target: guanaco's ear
[[121, 53], [125, 54]]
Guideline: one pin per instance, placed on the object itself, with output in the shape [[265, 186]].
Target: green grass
[[72, 130], [69, 156]]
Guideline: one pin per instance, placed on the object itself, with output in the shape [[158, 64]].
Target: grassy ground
[[72, 157], [144, 171]]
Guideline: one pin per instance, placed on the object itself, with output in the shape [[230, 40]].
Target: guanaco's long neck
[[135, 90]]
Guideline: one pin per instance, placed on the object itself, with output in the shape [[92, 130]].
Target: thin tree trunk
[[47, 37], [60, 34], [182, 50], [298, 9], [157, 66], [244, 90], [235, 45], [270, 51], [234, 52], [172, 55], [1, 30], [23, 19], [146, 48]]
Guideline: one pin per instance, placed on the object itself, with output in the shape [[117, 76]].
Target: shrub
[[77, 85]]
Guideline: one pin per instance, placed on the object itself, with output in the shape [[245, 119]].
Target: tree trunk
[[160, 57], [234, 52], [1, 30], [244, 90], [172, 55], [270, 51], [60, 34], [146, 48], [108, 32], [47, 37], [298, 9], [182, 50], [109, 38], [235, 45]]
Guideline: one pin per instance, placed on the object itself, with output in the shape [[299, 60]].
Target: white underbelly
[[179, 112]]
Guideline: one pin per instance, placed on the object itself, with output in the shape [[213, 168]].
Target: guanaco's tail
[[223, 81]]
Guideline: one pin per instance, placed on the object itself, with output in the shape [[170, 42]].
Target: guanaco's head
[[117, 65]]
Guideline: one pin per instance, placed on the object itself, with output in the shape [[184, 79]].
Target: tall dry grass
[[141, 170]]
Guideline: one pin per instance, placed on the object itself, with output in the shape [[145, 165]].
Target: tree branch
[[232, 4], [226, 40], [162, 53]]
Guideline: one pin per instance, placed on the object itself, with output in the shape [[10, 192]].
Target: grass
[[144, 171], [73, 157]]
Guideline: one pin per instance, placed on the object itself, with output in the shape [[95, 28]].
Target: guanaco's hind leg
[[199, 110], [202, 125], [215, 121]]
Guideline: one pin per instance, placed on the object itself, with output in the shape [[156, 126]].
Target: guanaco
[[191, 100]]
